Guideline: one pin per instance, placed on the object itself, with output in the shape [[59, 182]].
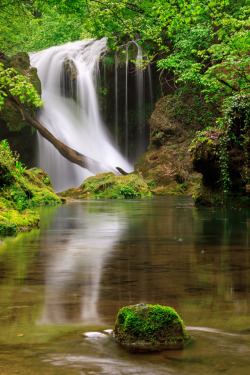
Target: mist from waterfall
[[71, 111]]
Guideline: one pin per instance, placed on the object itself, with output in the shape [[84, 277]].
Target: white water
[[76, 123]]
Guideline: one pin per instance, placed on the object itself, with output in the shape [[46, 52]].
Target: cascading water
[[68, 75], [132, 99]]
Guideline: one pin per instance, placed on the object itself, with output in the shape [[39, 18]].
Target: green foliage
[[204, 44], [14, 24], [20, 166], [234, 129], [15, 85], [7, 229], [53, 28], [20, 190], [128, 193]]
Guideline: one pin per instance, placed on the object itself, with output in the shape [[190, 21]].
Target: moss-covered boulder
[[146, 327], [110, 186], [21, 191]]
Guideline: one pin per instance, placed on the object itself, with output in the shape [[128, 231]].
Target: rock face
[[167, 166], [222, 156], [145, 327]]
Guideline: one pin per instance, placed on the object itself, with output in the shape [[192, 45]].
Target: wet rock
[[145, 328], [166, 166], [68, 81]]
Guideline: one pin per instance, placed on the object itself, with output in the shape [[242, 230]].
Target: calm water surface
[[61, 287]]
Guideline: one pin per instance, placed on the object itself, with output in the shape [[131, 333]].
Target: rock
[[110, 186], [69, 79], [166, 166], [233, 164], [146, 328]]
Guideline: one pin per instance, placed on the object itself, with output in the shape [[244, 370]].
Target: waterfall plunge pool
[[88, 259]]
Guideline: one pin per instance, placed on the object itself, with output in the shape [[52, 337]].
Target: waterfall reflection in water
[[91, 258], [74, 267]]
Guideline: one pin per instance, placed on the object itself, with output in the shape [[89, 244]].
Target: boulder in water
[[110, 186], [145, 327]]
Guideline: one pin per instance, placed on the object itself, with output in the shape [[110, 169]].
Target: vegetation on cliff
[[222, 155], [21, 191]]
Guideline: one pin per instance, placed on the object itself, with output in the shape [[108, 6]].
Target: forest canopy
[[205, 43]]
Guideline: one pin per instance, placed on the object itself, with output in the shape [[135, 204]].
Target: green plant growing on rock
[[20, 191], [20, 166], [234, 130]]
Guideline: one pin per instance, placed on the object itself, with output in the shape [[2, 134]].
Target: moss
[[208, 196], [21, 191], [110, 186], [150, 327], [225, 173]]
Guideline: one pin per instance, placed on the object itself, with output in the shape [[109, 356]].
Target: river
[[62, 285]]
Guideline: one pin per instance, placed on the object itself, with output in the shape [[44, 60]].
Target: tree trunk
[[66, 151]]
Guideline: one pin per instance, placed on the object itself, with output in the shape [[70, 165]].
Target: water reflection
[[80, 241], [91, 258], [101, 256]]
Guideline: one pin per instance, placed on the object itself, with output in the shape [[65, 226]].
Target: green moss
[[20, 191], [7, 228], [208, 196], [150, 326], [110, 186]]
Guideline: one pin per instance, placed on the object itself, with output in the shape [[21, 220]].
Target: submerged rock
[[145, 327], [110, 186]]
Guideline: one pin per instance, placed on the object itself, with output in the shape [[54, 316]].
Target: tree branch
[[227, 84], [66, 151]]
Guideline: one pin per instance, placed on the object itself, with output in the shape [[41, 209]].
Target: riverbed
[[62, 285]]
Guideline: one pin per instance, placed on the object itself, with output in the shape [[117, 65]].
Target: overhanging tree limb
[[66, 151]]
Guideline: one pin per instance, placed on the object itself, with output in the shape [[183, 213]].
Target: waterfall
[[140, 99], [116, 101], [126, 103], [69, 76], [133, 99]]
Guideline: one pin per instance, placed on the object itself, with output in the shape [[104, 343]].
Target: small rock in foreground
[[145, 327]]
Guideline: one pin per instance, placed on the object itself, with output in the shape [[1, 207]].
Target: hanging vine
[[234, 130]]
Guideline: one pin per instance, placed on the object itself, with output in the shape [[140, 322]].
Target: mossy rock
[[166, 166], [21, 191], [146, 327], [110, 186]]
